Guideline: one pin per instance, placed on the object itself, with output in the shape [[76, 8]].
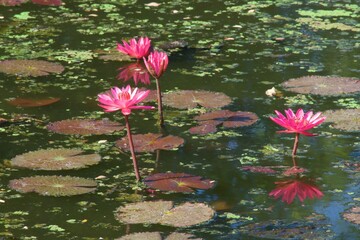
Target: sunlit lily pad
[[353, 215], [323, 85], [209, 121], [84, 126], [187, 99], [157, 236], [48, 2], [164, 212], [55, 159], [178, 182], [12, 2], [344, 119], [32, 68], [150, 142], [28, 102], [54, 185]]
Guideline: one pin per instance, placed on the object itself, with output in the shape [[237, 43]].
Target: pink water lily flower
[[156, 63], [136, 48], [301, 188], [124, 99], [299, 122]]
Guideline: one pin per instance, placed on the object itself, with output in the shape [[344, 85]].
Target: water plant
[[125, 99], [136, 48], [297, 123]]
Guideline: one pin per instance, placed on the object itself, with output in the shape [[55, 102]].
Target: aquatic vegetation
[[136, 48], [158, 236], [30, 102], [33, 68], [298, 123], [344, 119], [352, 215]]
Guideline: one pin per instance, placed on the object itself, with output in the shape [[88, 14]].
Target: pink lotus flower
[[135, 71], [299, 122], [156, 63], [124, 99], [289, 189], [136, 49]]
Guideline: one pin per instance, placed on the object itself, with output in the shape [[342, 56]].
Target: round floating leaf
[[54, 185], [188, 214], [150, 142], [48, 2], [178, 182], [84, 126], [113, 55], [164, 212], [187, 99], [27, 102], [33, 68], [142, 236], [181, 236], [323, 85], [353, 215], [344, 119], [55, 159], [12, 2], [205, 127], [143, 212]]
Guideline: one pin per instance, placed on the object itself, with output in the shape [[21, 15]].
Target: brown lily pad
[[48, 2], [84, 126], [344, 119], [178, 182], [150, 142], [54, 185], [187, 99], [32, 68], [353, 215], [113, 55], [55, 159], [12, 2], [164, 212], [322, 85], [259, 169], [209, 121], [157, 236], [28, 102]]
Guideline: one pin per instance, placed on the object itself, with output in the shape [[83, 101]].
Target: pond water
[[238, 48]]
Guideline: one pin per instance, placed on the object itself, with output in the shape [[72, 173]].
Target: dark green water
[[232, 49]]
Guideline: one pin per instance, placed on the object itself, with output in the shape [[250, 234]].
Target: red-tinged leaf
[[205, 127], [259, 169], [28, 102], [178, 182]]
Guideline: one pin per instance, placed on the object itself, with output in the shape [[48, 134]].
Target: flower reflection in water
[[135, 71], [301, 187]]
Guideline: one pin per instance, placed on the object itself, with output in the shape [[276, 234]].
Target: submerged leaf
[[187, 99], [84, 126], [27, 102], [178, 182], [164, 212], [150, 142], [54, 185], [55, 159], [323, 85], [32, 68], [344, 119]]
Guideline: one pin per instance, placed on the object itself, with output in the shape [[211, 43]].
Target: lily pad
[[227, 118], [54, 185], [55, 159], [259, 169], [28, 102], [353, 215], [150, 142], [164, 212], [187, 99], [157, 236], [84, 126], [178, 182], [12, 2], [113, 55], [32, 68], [48, 2], [323, 85], [344, 119]]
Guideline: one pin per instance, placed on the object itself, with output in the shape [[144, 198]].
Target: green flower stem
[[131, 145]]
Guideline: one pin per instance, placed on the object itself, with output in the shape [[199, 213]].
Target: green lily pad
[[150, 142], [164, 212], [55, 159], [32, 68], [187, 99], [56, 186], [323, 85], [178, 182], [352, 215], [84, 126], [344, 119], [28, 102]]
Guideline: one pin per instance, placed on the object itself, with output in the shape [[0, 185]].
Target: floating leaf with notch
[[28, 102]]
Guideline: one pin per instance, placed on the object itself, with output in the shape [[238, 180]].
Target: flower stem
[[159, 100], [294, 161], [296, 143], [131, 144]]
